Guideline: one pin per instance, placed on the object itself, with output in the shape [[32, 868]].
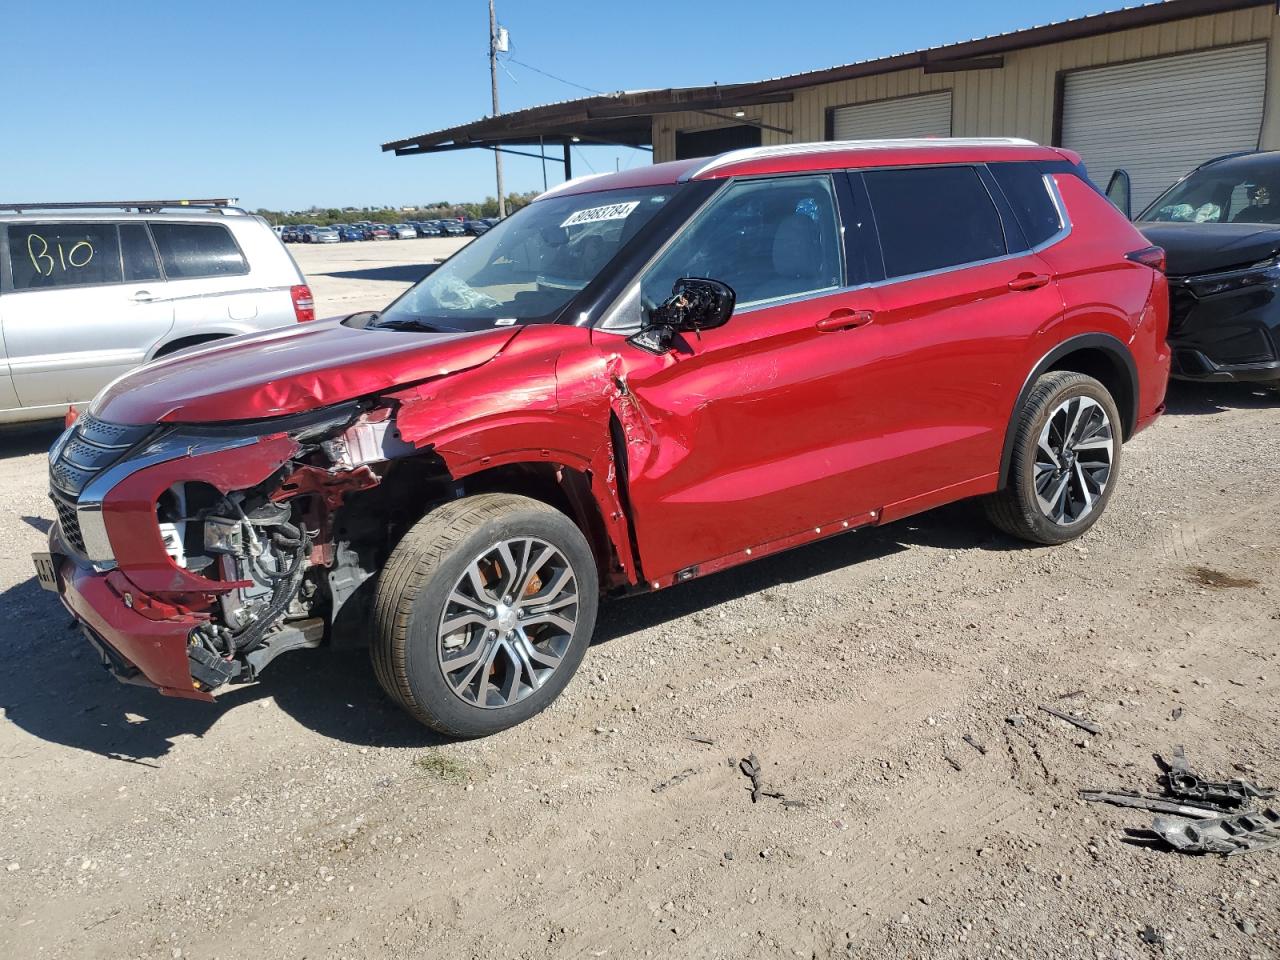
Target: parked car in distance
[[1220, 227], [475, 227], [452, 228], [89, 294], [325, 235], [379, 231], [428, 228], [307, 232], [637, 380], [402, 231], [290, 233], [351, 232]]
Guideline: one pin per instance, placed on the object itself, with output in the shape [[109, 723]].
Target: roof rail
[[829, 146], [224, 205]]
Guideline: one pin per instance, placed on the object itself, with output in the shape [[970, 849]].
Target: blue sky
[[283, 103]]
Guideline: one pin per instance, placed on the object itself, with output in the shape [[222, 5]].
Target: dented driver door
[[732, 436]]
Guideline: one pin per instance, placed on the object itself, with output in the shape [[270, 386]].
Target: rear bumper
[[134, 648]]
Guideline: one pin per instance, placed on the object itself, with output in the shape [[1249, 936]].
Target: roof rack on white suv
[[828, 146], [222, 205]]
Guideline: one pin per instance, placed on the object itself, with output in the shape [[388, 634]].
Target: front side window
[[932, 218], [1239, 193], [530, 265], [767, 239], [190, 250], [46, 255]]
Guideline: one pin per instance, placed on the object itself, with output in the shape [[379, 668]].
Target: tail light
[[1152, 257], [304, 308]]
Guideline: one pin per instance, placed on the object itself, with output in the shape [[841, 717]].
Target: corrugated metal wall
[[1017, 100]]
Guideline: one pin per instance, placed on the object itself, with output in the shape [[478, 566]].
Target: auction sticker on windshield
[[612, 211]]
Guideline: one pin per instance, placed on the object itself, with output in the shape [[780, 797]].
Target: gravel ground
[[305, 817]]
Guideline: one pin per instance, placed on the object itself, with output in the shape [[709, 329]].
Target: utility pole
[[493, 80]]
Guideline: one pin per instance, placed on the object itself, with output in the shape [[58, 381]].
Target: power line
[[570, 83]]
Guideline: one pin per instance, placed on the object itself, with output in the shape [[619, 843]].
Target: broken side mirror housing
[[695, 304]]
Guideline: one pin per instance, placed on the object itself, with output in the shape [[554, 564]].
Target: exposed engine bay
[[291, 554]]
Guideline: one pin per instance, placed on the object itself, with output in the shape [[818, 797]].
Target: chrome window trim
[[608, 322]]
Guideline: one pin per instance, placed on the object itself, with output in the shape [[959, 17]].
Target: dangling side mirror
[[695, 304], [1118, 190]]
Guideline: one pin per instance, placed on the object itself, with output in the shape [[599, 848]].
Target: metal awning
[[626, 118]]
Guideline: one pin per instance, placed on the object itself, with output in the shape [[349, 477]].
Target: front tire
[[483, 613], [1065, 463]]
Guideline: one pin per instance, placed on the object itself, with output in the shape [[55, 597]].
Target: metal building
[[1155, 89]]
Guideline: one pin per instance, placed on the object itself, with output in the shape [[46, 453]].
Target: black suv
[[1220, 227]]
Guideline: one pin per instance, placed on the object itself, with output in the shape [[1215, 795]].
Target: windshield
[[529, 266], [1230, 193]]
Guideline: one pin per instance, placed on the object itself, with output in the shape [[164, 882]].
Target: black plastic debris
[[1216, 816], [973, 741], [1087, 725], [1180, 780], [1151, 935], [680, 777], [750, 767]]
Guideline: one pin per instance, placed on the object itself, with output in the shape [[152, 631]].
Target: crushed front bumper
[[135, 648], [1230, 336]]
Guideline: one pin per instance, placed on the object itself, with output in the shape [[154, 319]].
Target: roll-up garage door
[[927, 115], [1158, 119]]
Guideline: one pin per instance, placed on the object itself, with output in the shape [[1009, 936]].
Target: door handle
[[844, 319], [143, 296], [1029, 281]]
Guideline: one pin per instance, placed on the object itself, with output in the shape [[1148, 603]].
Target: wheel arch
[[181, 343], [573, 488], [1097, 355]]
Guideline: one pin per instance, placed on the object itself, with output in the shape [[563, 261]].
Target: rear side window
[[190, 250], [47, 255], [1025, 189], [930, 218], [137, 254]]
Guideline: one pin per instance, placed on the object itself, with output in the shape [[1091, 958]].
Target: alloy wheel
[[1074, 457], [508, 622]]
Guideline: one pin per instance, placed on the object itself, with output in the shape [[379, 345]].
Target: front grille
[[68, 523], [92, 446]]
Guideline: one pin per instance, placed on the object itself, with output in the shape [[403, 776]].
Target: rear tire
[[1065, 463], [483, 613]]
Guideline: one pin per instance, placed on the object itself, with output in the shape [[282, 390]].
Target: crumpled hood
[[1205, 247], [289, 370]]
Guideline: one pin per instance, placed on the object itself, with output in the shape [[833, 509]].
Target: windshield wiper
[[408, 323]]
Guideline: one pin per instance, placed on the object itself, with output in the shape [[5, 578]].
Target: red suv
[[637, 380]]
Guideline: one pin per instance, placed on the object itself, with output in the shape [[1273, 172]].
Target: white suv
[[89, 291]]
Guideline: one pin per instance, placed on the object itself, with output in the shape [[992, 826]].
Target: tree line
[[440, 210]]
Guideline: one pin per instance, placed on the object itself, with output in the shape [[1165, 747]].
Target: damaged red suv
[[637, 380]]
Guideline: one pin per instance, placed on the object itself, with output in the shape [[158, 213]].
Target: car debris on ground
[[671, 781], [1086, 725], [1217, 816]]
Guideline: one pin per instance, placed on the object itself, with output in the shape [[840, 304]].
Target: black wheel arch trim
[[1109, 345]]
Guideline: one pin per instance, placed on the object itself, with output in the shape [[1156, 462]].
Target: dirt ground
[[306, 817]]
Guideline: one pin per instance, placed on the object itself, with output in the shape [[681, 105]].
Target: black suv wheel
[[483, 613], [1066, 460]]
